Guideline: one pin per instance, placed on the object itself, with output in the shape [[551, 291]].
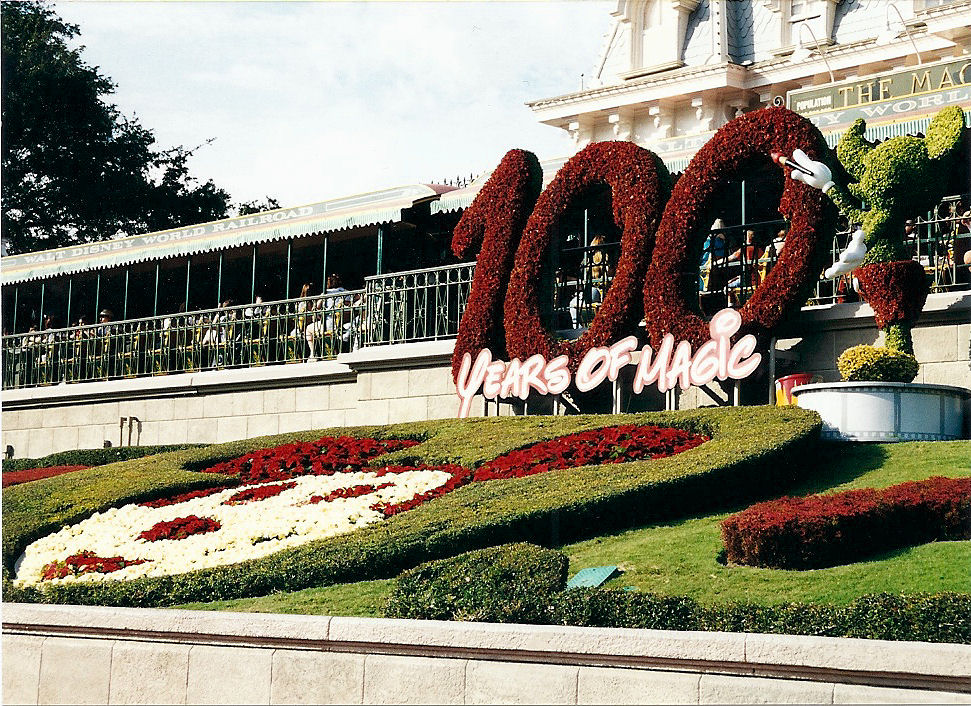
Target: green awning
[[373, 208]]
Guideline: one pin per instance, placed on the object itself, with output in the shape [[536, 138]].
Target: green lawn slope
[[753, 453]]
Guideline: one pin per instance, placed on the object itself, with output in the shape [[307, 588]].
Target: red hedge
[[25, 476], [738, 148], [638, 183], [827, 530], [494, 222], [258, 492], [896, 290]]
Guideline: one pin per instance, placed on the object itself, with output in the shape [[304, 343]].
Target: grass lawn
[[681, 558]]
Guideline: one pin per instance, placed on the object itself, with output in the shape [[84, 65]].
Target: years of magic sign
[[671, 365]]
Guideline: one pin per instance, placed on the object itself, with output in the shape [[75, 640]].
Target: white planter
[[885, 411]]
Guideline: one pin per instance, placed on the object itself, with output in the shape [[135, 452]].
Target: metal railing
[[418, 305], [228, 337]]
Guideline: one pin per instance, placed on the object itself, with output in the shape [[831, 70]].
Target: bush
[[91, 457], [825, 530], [469, 587], [871, 364], [749, 456], [29, 474], [506, 584]]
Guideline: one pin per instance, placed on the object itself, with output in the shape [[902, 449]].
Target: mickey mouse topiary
[[894, 180]]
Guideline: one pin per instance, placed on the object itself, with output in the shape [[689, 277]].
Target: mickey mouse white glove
[[821, 177]]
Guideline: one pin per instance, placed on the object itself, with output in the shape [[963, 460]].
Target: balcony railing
[[403, 307]]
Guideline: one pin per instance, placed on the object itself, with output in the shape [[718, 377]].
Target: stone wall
[[73, 654], [410, 382]]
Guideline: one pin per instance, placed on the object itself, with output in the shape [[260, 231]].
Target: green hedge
[[465, 588], [755, 452], [506, 584], [91, 457]]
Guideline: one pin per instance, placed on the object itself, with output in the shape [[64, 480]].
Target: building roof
[[373, 208]]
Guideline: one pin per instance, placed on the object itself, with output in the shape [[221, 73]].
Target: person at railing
[[712, 253], [747, 257]]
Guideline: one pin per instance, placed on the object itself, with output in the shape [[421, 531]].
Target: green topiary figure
[[892, 181]]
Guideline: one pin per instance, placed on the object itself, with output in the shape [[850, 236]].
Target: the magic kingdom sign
[[900, 94]]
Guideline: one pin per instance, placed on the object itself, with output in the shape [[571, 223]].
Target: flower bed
[[213, 532], [327, 491], [600, 446], [25, 476], [827, 530]]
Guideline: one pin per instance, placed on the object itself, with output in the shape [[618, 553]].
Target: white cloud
[[308, 101]]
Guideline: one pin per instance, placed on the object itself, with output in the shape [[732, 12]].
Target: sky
[[309, 101]]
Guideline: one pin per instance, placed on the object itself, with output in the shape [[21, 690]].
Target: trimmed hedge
[[451, 589], [754, 452], [91, 457], [507, 584], [817, 531]]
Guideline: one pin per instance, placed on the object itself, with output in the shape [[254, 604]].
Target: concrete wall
[[72, 654], [410, 382]]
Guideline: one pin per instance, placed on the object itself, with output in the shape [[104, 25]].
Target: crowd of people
[[310, 328]]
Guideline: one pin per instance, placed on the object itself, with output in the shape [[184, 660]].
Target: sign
[[671, 366], [900, 94]]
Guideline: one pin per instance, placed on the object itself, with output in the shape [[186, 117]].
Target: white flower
[[279, 522]]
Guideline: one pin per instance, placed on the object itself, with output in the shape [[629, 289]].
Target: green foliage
[[468, 587], [872, 364], [897, 337], [896, 179], [944, 132], [511, 583], [75, 169], [91, 457], [750, 454]]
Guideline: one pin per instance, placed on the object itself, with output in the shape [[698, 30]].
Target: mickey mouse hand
[[812, 173]]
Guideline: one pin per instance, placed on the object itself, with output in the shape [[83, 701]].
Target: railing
[[419, 305], [230, 337]]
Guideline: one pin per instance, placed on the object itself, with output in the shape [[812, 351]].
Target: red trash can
[[784, 385]]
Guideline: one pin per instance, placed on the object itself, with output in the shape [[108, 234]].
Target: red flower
[[618, 444], [896, 290], [180, 528], [354, 491], [25, 476], [494, 222], [639, 187], [739, 147], [86, 563], [258, 492]]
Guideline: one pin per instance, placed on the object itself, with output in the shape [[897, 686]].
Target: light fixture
[[801, 53], [887, 36]]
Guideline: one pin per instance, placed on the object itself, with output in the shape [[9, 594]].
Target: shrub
[[91, 457], [871, 364], [749, 456], [526, 587], [507, 584], [826, 530]]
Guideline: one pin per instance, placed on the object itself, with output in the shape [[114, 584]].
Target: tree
[[256, 206], [75, 169]]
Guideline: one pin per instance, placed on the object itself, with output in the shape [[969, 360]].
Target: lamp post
[[887, 36], [801, 53]]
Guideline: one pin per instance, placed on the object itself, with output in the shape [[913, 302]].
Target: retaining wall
[[72, 654], [410, 382]]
